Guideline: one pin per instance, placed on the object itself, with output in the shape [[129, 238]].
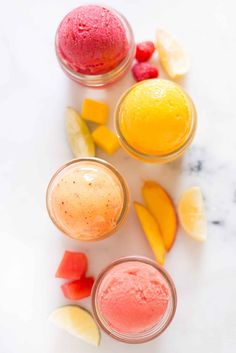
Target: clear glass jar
[[107, 78], [159, 327], [52, 206], [158, 158]]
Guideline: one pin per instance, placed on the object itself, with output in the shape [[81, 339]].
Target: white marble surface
[[34, 93]]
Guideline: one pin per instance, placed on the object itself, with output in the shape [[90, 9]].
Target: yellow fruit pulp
[[192, 214], [162, 208], [78, 322], [172, 56], [156, 117], [95, 111], [105, 139], [152, 232]]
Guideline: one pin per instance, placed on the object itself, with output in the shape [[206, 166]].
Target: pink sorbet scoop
[[92, 40], [133, 297]]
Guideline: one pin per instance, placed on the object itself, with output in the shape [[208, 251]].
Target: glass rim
[[147, 335], [126, 194], [155, 157], [107, 77]]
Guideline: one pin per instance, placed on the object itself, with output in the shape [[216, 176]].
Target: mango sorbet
[[155, 117]]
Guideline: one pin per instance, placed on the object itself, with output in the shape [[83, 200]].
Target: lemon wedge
[[78, 134], [172, 56], [192, 214], [78, 322]]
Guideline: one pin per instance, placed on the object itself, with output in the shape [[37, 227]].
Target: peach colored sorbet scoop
[[87, 200]]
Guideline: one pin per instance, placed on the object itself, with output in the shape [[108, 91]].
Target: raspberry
[[144, 51], [143, 71]]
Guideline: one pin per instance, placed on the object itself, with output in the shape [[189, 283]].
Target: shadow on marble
[[110, 95]]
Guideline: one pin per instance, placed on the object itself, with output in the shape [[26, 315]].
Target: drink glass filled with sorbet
[[155, 121], [134, 299], [94, 45], [87, 199]]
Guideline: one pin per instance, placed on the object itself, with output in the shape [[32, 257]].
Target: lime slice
[[78, 322], [192, 214], [172, 56], [78, 134]]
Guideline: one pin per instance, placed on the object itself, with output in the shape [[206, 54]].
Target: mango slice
[[162, 208], [95, 111], [78, 135], [172, 56], [192, 214], [105, 139], [152, 232], [78, 322]]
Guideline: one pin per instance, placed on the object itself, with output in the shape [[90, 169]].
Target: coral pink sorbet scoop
[[92, 40], [133, 297]]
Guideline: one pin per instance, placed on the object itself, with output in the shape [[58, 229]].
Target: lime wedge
[[78, 134], [78, 322]]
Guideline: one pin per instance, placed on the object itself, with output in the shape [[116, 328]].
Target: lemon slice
[[78, 134], [172, 56], [192, 214], [78, 322]]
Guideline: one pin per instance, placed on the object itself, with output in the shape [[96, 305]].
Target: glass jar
[[104, 79], [161, 157], [87, 199], [154, 331]]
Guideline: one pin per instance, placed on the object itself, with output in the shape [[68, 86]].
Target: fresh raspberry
[[143, 71], [144, 51]]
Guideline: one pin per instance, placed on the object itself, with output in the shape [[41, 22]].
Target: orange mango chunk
[[105, 139], [162, 208], [152, 232], [95, 111]]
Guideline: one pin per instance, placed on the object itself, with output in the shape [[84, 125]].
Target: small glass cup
[[113, 171], [107, 78], [147, 335], [161, 158]]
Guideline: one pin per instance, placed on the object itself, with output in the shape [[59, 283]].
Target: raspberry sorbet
[[92, 40]]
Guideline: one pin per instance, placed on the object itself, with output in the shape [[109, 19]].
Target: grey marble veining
[[34, 94]]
